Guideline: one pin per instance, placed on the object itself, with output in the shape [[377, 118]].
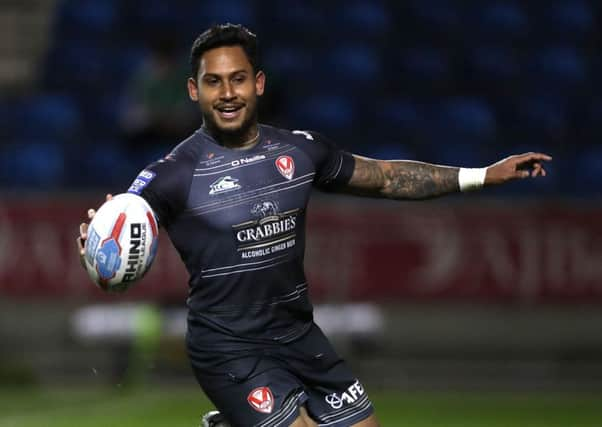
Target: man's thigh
[[334, 396], [270, 396]]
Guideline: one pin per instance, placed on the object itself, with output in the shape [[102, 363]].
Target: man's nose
[[227, 91]]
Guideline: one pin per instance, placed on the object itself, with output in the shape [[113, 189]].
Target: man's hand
[[83, 233], [517, 167]]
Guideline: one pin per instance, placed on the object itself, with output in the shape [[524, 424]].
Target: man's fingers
[[81, 239], [83, 230], [80, 245], [532, 157]]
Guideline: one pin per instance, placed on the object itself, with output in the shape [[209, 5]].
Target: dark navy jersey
[[237, 219]]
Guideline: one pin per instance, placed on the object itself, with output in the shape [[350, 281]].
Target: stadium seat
[[502, 22], [467, 117], [435, 19], [286, 62], [544, 117], [567, 20], [49, 116], [460, 131], [357, 64], [496, 66], [324, 112], [101, 161], [423, 69], [76, 66], [557, 69], [210, 12], [87, 19], [395, 118], [363, 19], [588, 176], [36, 164], [282, 20]]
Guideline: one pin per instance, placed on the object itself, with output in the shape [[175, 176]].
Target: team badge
[[261, 399], [286, 166]]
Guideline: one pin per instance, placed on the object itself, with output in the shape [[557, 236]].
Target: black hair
[[223, 35]]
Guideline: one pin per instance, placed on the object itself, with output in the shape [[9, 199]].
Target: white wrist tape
[[471, 178]]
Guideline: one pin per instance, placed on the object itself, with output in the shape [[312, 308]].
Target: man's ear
[[193, 89], [260, 82]]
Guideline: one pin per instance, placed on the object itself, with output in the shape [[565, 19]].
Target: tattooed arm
[[410, 180]]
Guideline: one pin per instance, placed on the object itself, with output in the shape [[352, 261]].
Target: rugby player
[[233, 199]]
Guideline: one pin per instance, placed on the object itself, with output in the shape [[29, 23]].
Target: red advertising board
[[356, 250]]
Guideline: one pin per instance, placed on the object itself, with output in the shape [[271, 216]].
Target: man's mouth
[[230, 111]]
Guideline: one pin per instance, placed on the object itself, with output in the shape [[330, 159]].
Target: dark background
[[98, 90]]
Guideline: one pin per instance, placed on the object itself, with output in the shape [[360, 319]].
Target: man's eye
[[238, 79], [212, 82]]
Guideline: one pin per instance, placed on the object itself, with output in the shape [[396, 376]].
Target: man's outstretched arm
[[410, 180]]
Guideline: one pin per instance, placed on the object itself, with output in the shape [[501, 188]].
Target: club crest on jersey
[[223, 185], [261, 399], [286, 166]]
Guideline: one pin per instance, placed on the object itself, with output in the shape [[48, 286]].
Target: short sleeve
[[164, 185], [334, 166]]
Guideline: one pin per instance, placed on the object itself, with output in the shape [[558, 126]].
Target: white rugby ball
[[122, 242]]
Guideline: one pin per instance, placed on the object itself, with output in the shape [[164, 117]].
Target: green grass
[[174, 407]]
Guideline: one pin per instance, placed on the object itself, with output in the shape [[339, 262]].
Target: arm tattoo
[[402, 179]]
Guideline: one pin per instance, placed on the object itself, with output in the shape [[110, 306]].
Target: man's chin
[[230, 128]]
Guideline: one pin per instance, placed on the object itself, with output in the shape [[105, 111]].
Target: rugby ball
[[122, 242]]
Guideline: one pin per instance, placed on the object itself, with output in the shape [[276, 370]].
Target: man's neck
[[236, 141]]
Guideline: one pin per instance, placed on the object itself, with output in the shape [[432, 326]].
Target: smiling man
[[233, 200]]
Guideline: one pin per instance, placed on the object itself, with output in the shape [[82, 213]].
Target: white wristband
[[471, 178]]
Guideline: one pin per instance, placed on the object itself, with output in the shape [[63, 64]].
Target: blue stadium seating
[[427, 67], [87, 19], [345, 64], [55, 116], [557, 68], [36, 164], [588, 164], [495, 66], [503, 22], [435, 19], [329, 112], [100, 162], [451, 81], [565, 20], [362, 19]]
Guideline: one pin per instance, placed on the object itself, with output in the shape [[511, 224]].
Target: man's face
[[227, 89]]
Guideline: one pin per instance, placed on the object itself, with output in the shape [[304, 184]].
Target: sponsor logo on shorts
[[224, 185], [141, 181], [349, 396], [286, 166], [261, 399]]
